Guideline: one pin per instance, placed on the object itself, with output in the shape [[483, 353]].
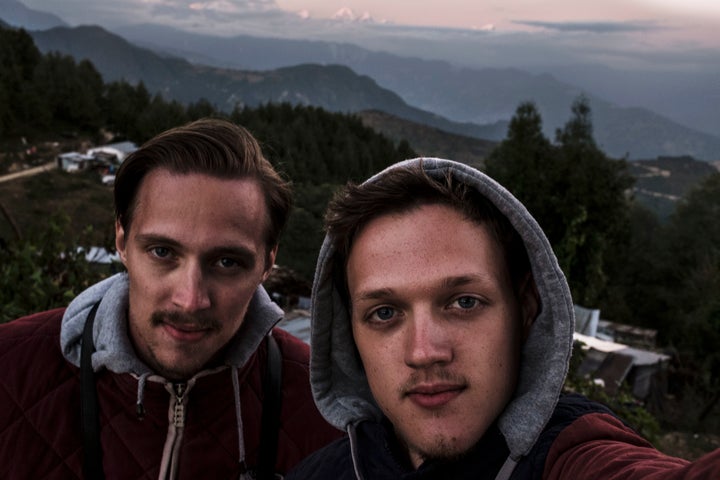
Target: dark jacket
[[40, 435], [583, 440]]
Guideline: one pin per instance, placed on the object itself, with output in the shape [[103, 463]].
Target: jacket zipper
[[170, 458], [179, 411]]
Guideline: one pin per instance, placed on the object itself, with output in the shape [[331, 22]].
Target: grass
[[30, 201]]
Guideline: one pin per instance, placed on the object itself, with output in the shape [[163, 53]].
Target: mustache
[[435, 374], [180, 319]]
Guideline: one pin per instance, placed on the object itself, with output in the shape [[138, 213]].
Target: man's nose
[[190, 291], [428, 341]]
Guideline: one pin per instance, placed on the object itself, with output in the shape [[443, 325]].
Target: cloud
[[594, 27], [207, 15], [221, 17]]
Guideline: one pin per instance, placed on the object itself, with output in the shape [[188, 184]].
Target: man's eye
[[466, 302], [228, 263], [160, 252], [384, 313]]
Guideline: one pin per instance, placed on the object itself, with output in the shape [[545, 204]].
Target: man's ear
[[269, 262], [529, 303], [120, 241]]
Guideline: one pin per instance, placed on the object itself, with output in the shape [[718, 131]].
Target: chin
[[442, 447]]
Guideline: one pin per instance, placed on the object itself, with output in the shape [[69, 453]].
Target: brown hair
[[403, 189], [208, 146]]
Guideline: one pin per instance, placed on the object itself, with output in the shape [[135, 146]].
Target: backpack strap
[[272, 402], [89, 411]]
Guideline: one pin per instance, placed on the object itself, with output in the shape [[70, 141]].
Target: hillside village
[[104, 159]]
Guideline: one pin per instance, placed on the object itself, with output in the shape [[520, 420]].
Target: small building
[[617, 363], [113, 152], [617, 353], [99, 255], [74, 161], [628, 334]]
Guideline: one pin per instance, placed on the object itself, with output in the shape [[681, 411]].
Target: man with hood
[[441, 336], [171, 370]]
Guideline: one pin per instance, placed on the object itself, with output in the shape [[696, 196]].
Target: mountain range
[[250, 70]]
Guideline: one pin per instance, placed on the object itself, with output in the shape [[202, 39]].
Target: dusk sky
[[505, 15], [650, 35], [688, 23]]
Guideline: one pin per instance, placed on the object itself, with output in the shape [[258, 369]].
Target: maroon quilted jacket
[[40, 434]]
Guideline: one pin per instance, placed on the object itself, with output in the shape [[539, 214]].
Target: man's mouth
[[185, 333], [435, 395], [182, 327]]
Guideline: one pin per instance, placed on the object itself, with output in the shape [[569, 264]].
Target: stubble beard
[[441, 447], [194, 355]]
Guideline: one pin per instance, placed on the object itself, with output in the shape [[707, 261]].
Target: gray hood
[[113, 348], [338, 381]]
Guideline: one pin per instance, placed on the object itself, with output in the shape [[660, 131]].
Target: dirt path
[[29, 171]]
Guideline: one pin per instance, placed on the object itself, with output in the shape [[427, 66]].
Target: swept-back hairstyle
[[401, 190], [208, 146]]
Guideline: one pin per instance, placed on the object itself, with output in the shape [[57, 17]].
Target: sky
[[657, 22], [633, 35], [512, 14]]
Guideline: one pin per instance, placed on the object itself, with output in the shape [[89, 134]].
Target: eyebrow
[[446, 283], [461, 280], [374, 294]]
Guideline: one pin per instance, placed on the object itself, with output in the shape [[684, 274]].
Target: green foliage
[[304, 234], [18, 59], [123, 103], [70, 93], [158, 116], [44, 271], [619, 257], [39, 93], [635, 293], [311, 145], [692, 285], [572, 188]]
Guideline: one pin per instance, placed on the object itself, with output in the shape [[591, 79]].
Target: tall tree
[[596, 204], [19, 104], [71, 91], [573, 189], [693, 287], [123, 104]]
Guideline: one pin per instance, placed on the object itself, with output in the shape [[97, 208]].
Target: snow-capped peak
[[346, 14]]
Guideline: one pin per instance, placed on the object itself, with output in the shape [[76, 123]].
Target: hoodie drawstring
[[139, 408], [238, 418]]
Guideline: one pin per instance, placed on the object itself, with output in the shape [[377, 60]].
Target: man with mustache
[[170, 370], [442, 331]]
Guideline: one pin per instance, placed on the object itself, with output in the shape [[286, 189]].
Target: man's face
[[437, 325], [195, 254]]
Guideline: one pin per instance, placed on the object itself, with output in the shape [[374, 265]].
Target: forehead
[[431, 243], [200, 206]]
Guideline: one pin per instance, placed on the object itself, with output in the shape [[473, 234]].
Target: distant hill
[[333, 87], [16, 14], [492, 94], [480, 96], [429, 141]]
